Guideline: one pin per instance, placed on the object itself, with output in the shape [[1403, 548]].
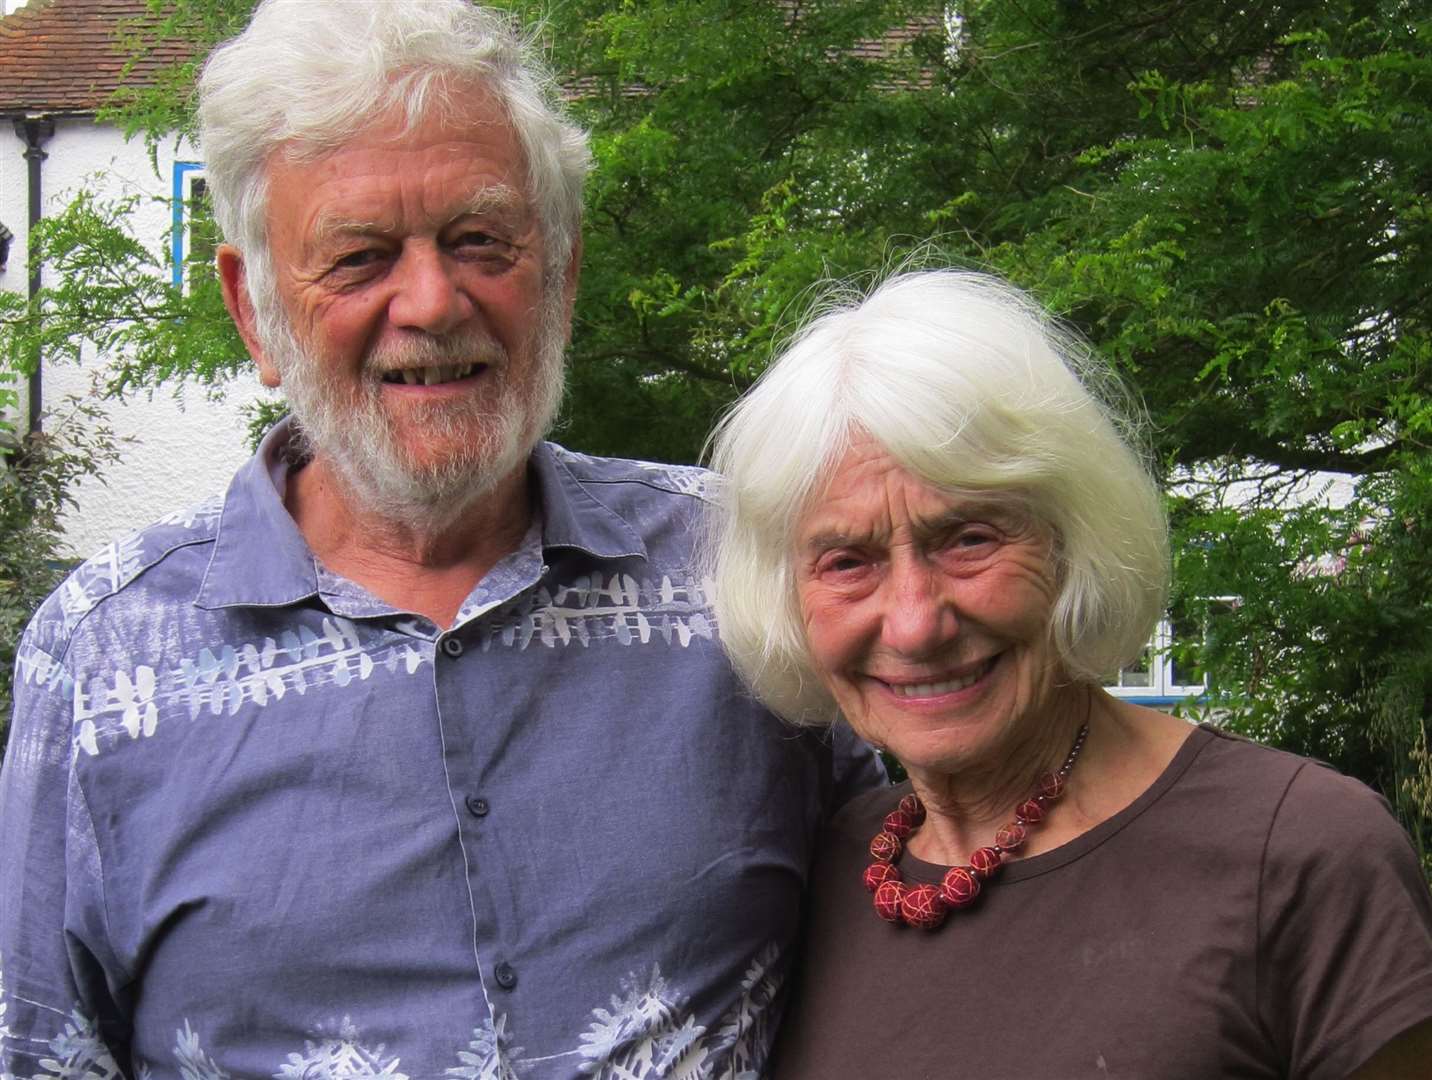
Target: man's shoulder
[[648, 479], [117, 567]]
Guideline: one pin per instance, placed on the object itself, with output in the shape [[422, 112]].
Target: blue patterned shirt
[[256, 822]]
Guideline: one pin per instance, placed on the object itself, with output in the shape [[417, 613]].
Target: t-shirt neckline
[[1021, 869]]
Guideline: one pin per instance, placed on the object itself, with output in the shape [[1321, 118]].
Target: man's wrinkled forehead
[[469, 102], [493, 202]]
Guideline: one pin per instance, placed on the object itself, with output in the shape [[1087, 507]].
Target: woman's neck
[[965, 808]]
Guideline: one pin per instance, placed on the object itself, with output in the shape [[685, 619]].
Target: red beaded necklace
[[926, 906]]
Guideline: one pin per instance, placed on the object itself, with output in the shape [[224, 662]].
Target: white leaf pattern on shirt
[[79, 1053], [645, 1035], [76, 1053], [220, 681], [605, 608], [746, 1027], [194, 1064], [490, 1055], [644, 1030], [339, 1056]]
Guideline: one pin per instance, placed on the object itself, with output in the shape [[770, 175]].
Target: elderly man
[[414, 755]]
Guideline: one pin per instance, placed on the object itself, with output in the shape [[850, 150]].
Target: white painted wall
[[182, 449]]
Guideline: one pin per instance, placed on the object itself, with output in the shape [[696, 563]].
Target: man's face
[[419, 342]]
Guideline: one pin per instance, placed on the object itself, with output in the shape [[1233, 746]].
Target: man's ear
[[234, 284]]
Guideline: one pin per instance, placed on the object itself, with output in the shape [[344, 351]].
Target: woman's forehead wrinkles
[[882, 530]]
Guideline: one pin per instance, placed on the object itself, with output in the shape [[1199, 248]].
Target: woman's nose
[[919, 616]]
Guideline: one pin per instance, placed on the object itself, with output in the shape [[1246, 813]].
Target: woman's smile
[[927, 612]]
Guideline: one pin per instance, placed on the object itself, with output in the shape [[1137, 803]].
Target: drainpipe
[[34, 132]]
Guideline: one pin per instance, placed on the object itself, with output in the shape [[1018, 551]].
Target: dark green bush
[[36, 485]]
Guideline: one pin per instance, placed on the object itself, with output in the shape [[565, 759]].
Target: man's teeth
[[431, 376], [934, 689]]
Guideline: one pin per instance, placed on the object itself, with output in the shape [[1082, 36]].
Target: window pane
[[1139, 673], [1185, 642], [203, 232]]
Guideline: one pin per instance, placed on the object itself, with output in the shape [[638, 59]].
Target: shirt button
[[505, 975], [477, 807], [452, 646]]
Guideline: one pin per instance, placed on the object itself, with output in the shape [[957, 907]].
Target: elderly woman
[[937, 530]]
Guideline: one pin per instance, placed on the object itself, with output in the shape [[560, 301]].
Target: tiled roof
[[61, 56]]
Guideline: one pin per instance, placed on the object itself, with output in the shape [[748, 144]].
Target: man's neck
[[415, 568]]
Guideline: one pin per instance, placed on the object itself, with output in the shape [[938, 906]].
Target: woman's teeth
[[935, 689]]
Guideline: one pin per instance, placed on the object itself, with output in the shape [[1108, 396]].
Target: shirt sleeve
[[1345, 927], [56, 1018], [855, 764]]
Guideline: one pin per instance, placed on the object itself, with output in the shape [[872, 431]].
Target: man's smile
[[433, 375]]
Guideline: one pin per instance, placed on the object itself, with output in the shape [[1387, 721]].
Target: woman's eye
[[972, 539], [843, 563]]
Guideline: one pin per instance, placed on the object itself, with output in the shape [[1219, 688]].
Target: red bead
[[1051, 785], [912, 805], [877, 873], [887, 900], [959, 887], [921, 906], [1011, 836], [885, 847], [985, 861], [1031, 812], [899, 824]]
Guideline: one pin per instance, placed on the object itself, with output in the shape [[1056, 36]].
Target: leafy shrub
[[35, 489]]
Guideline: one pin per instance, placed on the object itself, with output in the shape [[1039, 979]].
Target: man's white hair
[[306, 76], [972, 388]]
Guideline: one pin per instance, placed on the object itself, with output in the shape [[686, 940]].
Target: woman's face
[[927, 614]]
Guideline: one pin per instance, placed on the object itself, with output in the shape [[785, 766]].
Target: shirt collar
[[572, 516], [260, 558]]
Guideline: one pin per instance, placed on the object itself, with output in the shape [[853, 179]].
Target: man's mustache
[[469, 346]]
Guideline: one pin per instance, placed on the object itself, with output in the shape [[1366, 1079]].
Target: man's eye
[[357, 260], [475, 240]]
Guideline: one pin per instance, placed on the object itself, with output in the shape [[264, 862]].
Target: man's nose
[[919, 616], [427, 293]]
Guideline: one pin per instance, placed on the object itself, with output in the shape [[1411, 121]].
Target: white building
[[58, 66]]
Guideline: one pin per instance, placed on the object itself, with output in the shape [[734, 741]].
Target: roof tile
[[63, 56]]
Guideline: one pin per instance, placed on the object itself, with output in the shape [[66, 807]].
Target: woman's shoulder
[[1296, 808], [861, 817], [1314, 785]]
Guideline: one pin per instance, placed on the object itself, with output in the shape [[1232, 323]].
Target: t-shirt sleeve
[[1344, 927], [55, 1014]]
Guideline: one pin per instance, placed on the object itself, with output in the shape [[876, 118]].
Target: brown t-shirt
[[1253, 914]]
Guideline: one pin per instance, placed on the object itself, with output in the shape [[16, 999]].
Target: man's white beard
[[353, 433]]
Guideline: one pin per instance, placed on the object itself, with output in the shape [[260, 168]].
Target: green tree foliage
[[107, 291], [35, 487], [1229, 198]]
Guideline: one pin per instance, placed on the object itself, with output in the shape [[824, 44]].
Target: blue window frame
[[187, 185]]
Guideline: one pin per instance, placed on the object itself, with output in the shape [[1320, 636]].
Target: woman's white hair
[[972, 388], [306, 76]]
